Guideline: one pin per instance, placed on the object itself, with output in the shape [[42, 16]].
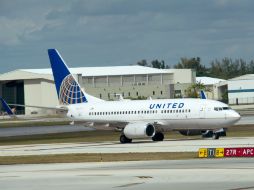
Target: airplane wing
[[62, 108]]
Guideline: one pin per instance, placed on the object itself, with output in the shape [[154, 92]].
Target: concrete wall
[[183, 75], [107, 93], [40, 92]]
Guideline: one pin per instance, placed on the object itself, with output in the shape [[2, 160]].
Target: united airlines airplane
[[140, 118]]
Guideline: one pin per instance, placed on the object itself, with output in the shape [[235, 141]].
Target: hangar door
[[13, 93]]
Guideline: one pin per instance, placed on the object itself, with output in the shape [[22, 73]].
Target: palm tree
[[194, 89]]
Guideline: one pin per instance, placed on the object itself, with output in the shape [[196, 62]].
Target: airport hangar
[[36, 86], [241, 90]]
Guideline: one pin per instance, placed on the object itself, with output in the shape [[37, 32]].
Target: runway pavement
[[246, 120], [116, 147], [229, 174], [37, 130]]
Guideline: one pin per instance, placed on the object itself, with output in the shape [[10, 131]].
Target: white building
[[241, 90], [215, 87], [36, 86]]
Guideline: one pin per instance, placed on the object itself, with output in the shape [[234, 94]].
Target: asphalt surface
[[37, 130], [229, 174], [116, 147], [246, 120]]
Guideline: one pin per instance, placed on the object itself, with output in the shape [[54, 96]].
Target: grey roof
[[244, 77], [105, 71]]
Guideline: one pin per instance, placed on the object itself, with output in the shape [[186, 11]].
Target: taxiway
[[231, 174], [189, 145]]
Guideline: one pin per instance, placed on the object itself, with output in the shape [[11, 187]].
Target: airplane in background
[[139, 118], [202, 95], [7, 108]]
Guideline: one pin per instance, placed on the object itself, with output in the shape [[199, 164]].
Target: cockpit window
[[221, 108]]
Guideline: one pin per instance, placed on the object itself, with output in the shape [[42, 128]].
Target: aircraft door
[[202, 111]]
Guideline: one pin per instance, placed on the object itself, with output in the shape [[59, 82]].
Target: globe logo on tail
[[70, 92]]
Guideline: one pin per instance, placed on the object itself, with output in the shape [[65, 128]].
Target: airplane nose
[[236, 116]]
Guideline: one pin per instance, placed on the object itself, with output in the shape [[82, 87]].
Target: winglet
[[7, 108], [202, 95]]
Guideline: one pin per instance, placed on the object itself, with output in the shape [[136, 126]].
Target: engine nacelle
[[139, 130]]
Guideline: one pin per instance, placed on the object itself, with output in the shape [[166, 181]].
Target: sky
[[123, 32]]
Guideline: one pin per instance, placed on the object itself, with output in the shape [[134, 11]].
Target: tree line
[[225, 68]]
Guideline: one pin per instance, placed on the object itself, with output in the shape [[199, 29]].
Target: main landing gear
[[158, 136], [217, 135], [124, 139], [214, 134]]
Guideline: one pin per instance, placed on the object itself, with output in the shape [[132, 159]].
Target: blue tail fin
[[6, 107], [202, 95], [68, 89]]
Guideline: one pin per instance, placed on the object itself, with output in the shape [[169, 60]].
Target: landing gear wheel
[[158, 136], [216, 136], [124, 139]]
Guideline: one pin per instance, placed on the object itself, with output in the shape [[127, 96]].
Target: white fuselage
[[168, 113]]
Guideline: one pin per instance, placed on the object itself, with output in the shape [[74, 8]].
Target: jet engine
[[139, 130]]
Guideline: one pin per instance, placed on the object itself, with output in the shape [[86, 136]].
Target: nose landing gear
[[215, 134]]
